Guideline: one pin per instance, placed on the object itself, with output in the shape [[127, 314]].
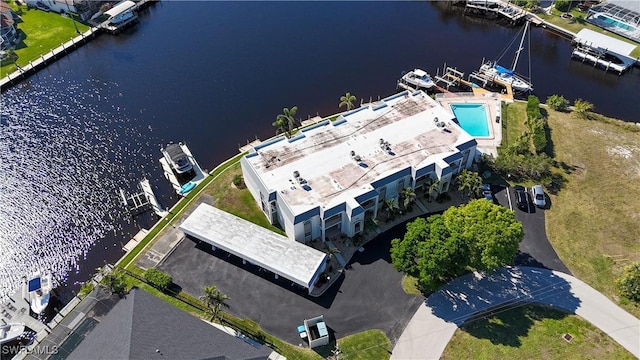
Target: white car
[[537, 193]]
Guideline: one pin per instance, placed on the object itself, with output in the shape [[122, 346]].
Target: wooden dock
[[499, 7]]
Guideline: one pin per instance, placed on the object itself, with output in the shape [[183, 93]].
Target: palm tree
[[347, 100], [214, 300], [111, 280], [469, 182], [332, 252], [282, 127], [434, 189], [286, 120], [581, 108], [408, 197], [391, 207]]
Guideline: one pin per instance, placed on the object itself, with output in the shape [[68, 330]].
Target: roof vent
[[384, 145], [296, 174], [354, 156], [435, 120]]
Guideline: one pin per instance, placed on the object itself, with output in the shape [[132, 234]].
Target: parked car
[[537, 193], [522, 201], [486, 192]]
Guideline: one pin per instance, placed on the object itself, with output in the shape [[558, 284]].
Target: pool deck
[[493, 102]]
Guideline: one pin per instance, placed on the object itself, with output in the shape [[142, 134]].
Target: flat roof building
[[328, 179]]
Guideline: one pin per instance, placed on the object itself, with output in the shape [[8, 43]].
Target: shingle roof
[[141, 326]]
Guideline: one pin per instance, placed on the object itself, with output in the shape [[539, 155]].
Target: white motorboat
[[10, 332], [417, 79], [176, 157], [39, 287], [502, 75]]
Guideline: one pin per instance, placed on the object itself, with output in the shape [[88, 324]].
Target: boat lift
[[135, 203]]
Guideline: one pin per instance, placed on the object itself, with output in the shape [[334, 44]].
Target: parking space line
[[509, 199]]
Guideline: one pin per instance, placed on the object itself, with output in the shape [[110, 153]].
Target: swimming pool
[[615, 23], [472, 118]]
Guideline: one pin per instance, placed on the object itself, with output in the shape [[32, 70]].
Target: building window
[[357, 228], [382, 194], [307, 230]]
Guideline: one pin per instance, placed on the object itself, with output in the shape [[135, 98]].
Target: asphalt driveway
[[535, 250], [368, 296]]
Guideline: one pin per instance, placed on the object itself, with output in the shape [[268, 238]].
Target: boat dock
[[476, 82], [145, 186], [135, 203], [135, 240], [498, 7]]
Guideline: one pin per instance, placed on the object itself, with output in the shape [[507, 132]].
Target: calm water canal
[[215, 74]]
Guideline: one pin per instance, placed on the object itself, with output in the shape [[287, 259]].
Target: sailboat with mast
[[500, 74]]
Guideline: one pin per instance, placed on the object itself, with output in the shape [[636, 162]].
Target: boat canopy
[[419, 73], [503, 70]]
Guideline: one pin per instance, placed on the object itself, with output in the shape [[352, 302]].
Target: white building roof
[[276, 253], [596, 39], [322, 154], [120, 8]]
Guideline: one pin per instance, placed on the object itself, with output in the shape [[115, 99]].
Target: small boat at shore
[[180, 168], [39, 287], [10, 332], [416, 79]]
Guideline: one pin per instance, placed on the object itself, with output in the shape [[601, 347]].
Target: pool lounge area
[[478, 115]]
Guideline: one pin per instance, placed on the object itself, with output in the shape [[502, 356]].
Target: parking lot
[[368, 296], [535, 249]]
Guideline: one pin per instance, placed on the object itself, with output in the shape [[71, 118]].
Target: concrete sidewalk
[[433, 325]]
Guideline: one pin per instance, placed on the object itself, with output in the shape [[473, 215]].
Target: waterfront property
[[619, 16], [8, 32], [273, 252], [602, 50], [330, 179], [83, 8]]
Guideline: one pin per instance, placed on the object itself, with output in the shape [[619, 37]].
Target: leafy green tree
[[404, 252], [479, 235], [214, 300], [629, 282], [158, 279], [538, 134], [581, 108], [557, 102], [491, 232], [347, 101]]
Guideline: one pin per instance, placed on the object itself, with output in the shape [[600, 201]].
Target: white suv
[[538, 196]]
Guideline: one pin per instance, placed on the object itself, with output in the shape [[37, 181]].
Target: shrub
[[562, 5], [158, 279], [557, 102], [238, 181], [629, 282]]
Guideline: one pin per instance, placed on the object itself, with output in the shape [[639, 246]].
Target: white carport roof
[[120, 8], [276, 253]]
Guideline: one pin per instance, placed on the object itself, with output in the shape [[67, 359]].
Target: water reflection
[[59, 155]]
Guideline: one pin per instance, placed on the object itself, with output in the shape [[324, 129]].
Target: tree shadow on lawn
[[469, 297], [505, 325]]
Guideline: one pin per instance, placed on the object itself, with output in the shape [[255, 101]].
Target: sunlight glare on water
[[62, 159]]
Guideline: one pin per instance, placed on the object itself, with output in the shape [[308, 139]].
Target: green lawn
[[367, 345], [577, 23], [593, 222], [532, 332], [41, 32], [238, 201], [594, 235], [513, 126], [410, 285]]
